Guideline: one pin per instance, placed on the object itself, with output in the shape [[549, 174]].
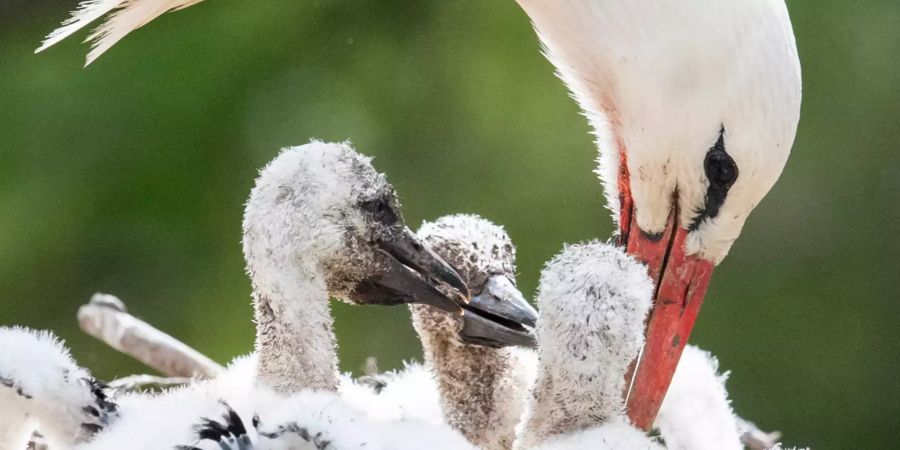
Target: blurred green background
[[129, 177]]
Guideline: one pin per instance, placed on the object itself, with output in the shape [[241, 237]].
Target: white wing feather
[[87, 12], [124, 16]]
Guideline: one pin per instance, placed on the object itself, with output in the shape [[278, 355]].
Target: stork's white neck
[[295, 342]]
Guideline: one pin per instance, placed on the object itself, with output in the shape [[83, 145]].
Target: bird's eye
[[378, 208], [720, 168], [722, 172]]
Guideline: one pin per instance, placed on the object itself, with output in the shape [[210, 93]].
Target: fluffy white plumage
[[410, 393], [696, 413], [593, 300], [50, 395], [42, 387], [123, 17], [168, 419], [615, 434], [413, 393]]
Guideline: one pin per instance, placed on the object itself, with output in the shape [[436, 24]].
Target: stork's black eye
[[720, 168], [722, 172]]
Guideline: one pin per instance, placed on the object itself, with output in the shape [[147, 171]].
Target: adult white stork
[[695, 105]]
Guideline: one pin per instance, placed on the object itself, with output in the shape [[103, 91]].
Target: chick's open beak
[[499, 316]]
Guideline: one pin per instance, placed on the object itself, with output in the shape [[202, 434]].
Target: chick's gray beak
[[402, 244], [499, 316], [411, 273]]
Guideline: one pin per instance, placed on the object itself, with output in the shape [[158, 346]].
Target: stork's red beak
[[681, 283]]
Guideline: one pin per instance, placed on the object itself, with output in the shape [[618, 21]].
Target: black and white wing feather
[[41, 388], [230, 433]]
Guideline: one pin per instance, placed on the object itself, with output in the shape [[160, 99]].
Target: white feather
[[41, 387], [613, 435], [87, 12], [168, 419], [696, 413], [124, 17], [410, 393]]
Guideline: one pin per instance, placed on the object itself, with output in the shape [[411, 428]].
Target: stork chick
[[322, 222], [593, 300], [482, 383]]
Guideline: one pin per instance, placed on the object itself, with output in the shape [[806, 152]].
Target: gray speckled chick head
[[322, 211], [475, 247], [484, 256]]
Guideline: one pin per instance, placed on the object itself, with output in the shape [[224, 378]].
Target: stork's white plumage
[[695, 106], [696, 413], [262, 420], [122, 17]]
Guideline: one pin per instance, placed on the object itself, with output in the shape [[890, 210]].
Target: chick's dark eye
[[375, 207], [720, 168], [378, 208]]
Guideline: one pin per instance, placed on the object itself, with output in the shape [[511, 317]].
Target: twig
[[106, 319], [754, 438], [133, 382]]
